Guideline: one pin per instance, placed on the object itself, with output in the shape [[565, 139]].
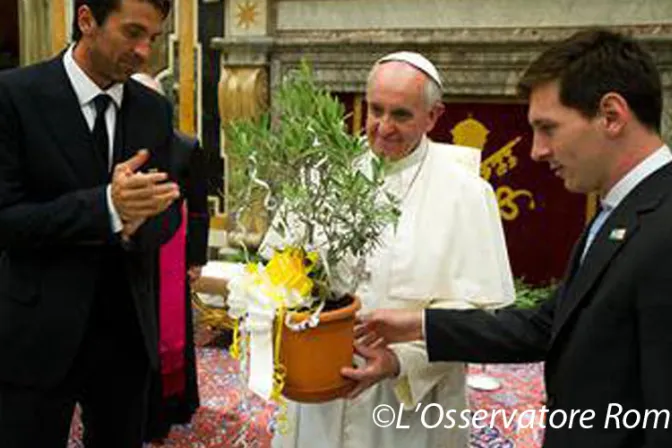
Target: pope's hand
[[390, 325], [381, 363]]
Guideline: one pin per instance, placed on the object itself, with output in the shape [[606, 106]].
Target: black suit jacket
[[606, 335], [54, 224], [188, 169]]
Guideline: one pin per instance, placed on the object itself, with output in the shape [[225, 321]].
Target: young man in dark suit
[[84, 153], [595, 108]]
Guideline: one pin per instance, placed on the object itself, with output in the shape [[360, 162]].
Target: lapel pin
[[617, 235]]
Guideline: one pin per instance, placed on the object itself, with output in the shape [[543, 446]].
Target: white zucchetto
[[416, 60]]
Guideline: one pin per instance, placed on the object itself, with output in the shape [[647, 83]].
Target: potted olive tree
[[295, 310]]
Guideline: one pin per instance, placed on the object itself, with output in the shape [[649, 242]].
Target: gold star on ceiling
[[247, 14]]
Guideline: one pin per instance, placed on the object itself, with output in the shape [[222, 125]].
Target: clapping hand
[[137, 196]]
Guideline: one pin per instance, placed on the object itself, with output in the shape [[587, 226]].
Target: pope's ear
[[434, 113], [438, 109]]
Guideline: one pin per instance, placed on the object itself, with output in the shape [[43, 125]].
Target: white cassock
[[448, 251]]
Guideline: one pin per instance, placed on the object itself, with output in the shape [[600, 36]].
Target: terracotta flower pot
[[313, 358]]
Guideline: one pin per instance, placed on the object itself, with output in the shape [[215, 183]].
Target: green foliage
[[311, 172], [241, 256], [529, 296]]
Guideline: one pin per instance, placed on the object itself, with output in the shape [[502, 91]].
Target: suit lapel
[[65, 121], [126, 123], [597, 259], [140, 128], [118, 151], [575, 256], [621, 226], [134, 124]]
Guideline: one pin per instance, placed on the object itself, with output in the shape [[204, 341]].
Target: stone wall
[[474, 62], [295, 15]]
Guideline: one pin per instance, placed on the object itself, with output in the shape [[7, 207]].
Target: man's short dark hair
[[592, 63], [102, 8]]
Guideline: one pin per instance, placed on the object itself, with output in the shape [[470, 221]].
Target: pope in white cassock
[[447, 251]]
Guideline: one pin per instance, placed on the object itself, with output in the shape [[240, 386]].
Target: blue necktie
[[605, 211]]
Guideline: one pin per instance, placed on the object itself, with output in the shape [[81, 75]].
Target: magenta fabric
[[172, 312]]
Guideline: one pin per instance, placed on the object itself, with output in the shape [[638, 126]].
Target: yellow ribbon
[[279, 375]]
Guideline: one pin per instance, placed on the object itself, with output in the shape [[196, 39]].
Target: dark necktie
[[101, 140]]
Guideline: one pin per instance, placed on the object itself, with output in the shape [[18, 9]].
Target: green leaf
[[302, 150]]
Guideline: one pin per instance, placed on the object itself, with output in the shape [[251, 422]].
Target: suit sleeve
[[503, 336], [198, 220], [654, 315], [79, 216]]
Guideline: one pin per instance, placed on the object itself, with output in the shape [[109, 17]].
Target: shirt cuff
[[403, 363], [424, 333], [115, 219]]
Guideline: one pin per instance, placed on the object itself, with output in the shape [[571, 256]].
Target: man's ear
[[614, 113], [85, 20], [434, 113]]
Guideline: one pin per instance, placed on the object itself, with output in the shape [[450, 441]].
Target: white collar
[[412, 159], [662, 156], [85, 89]]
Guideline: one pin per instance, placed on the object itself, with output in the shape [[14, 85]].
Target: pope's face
[[398, 115]]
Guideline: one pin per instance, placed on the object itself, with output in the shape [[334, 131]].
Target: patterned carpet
[[522, 390], [227, 407]]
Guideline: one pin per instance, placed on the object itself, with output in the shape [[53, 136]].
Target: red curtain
[[541, 219], [9, 34]]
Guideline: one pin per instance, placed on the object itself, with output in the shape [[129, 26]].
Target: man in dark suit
[[83, 159], [595, 108]]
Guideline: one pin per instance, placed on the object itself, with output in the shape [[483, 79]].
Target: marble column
[[243, 93]]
